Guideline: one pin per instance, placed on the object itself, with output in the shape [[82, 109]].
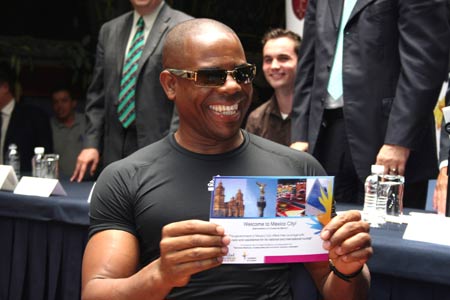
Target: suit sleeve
[[304, 78], [95, 99], [423, 46]]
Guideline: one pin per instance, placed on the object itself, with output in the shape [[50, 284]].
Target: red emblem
[[299, 8]]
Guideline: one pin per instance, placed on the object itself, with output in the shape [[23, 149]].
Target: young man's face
[[280, 62], [63, 104]]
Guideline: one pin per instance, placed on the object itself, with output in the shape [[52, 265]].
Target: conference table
[[400, 269], [42, 242], [406, 269]]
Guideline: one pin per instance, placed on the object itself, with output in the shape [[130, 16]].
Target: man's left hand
[[393, 158], [348, 241]]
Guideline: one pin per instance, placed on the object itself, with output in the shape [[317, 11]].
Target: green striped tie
[[126, 107]]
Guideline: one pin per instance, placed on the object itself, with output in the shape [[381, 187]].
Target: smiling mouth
[[226, 110], [277, 75]]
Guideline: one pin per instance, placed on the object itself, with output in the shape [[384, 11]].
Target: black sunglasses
[[217, 77]]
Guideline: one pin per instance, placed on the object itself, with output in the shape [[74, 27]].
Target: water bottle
[[37, 162], [390, 197], [371, 195], [12, 158]]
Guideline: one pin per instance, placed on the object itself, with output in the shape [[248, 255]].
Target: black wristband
[[343, 276]]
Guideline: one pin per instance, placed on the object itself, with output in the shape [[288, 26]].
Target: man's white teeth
[[277, 75], [224, 109]]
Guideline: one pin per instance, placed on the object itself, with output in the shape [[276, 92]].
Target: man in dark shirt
[[271, 119], [150, 237], [68, 127]]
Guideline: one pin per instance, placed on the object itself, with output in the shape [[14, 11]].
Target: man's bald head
[[176, 40]]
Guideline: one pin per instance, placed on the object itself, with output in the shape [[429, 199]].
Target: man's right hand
[[88, 156], [189, 247], [111, 258], [300, 146]]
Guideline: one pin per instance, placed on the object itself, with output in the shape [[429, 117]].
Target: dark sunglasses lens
[[244, 74], [211, 77]]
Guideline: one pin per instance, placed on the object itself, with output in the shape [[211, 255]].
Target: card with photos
[[272, 219]]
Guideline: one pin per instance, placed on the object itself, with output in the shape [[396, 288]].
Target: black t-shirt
[[164, 183]]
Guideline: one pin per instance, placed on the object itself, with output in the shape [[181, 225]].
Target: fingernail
[[226, 240], [325, 234], [220, 230], [326, 245]]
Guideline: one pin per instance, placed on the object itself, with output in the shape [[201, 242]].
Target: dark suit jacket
[[153, 110], [394, 63], [28, 127]]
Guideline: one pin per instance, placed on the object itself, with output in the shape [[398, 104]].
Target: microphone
[[446, 111]]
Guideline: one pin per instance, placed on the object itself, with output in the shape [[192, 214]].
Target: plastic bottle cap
[[12, 146], [39, 150], [377, 169]]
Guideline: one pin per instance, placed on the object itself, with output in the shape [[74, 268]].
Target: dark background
[[52, 43]]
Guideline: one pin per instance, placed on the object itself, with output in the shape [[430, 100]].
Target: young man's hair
[[279, 33], [62, 88]]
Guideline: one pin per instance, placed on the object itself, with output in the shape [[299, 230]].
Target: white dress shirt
[[6, 116], [149, 20]]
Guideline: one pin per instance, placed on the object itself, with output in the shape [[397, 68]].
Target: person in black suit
[[24, 125], [105, 135], [391, 58]]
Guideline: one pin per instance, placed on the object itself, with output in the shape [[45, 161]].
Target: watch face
[[447, 128], [299, 8]]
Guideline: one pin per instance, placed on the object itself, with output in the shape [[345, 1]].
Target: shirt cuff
[[443, 164]]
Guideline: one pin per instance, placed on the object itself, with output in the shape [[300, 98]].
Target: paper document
[[272, 219], [429, 228]]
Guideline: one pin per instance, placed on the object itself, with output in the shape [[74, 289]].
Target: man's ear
[[168, 83]]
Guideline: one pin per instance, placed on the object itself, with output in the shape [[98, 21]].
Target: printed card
[[272, 219]]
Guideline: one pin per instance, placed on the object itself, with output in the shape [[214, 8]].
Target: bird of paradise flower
[[325, 202], [326, 199]]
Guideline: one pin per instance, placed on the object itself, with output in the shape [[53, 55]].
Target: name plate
[[42, 187], [8, 178], [272, 219]]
